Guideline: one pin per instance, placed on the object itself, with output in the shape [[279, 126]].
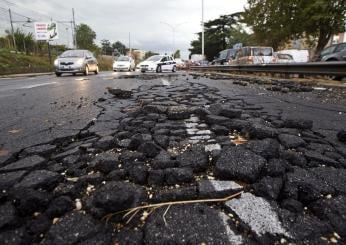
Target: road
[[36, 110], [175, 137]]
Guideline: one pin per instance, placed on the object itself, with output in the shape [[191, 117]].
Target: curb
[[26, 75]]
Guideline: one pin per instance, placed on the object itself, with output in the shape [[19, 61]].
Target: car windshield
[[124, 58], [328, 50], [155, 58], [73, 53], [285, 57], [262, 52]]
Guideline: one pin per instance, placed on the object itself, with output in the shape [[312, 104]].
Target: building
[[138, 54], [340, 38]]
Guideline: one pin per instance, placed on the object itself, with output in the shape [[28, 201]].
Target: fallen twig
[[135, 210]]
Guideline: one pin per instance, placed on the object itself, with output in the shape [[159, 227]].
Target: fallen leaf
[[3, 152], [15, 131], [239, 140]]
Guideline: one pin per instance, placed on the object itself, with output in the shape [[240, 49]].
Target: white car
[[124, 63], [282, 58], [158, 63]]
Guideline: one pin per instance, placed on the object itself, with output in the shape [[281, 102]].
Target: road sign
[[46, 31]]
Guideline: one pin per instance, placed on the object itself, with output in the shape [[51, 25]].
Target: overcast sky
[[114, 19]]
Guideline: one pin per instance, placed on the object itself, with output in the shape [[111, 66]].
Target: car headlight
[[56, 62], [80, 62]]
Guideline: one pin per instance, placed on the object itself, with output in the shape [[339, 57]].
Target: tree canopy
[[85, 37], [119, 47], [221, 33], [176, 54], [274, 22]]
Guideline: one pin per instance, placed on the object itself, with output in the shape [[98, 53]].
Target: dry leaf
[[239, 140], [3, 152], [15, 131]]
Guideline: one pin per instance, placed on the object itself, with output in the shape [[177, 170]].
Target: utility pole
[[174, 29], [203, 27], [130, 51], [74, 29], [14, 40]]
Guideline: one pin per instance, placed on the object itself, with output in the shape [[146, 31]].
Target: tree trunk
[[323, 40]]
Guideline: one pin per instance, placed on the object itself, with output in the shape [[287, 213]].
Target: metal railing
[[313, 68]]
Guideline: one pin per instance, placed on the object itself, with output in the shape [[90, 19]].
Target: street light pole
[[203, 27], [74, 30], [174, 28]]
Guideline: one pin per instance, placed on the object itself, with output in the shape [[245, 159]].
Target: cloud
[[114, 20]]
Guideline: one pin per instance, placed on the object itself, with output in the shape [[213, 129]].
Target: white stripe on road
[[36, 85], [165, 82]]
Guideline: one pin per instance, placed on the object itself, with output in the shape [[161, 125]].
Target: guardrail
[[313, 68]]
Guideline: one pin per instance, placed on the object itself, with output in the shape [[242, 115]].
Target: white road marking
[[36, 85], [165, 82], [212, 147]]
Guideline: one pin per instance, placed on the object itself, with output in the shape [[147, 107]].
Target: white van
[[255, 55], [299, 55]]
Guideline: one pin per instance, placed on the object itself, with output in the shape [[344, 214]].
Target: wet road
[[36, 110]]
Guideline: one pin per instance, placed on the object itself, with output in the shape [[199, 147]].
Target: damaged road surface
[[181, 160]]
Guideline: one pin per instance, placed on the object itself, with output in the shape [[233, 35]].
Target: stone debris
[[119, 93], [180, 142], [258, 214], [217, 188]]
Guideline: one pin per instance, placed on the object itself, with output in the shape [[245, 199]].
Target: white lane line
[[36, 85], [165, 82]]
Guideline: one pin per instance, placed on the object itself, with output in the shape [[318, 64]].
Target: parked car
[[225, 57], [179, 63], [283, 58], [255, 55], [158, 63], [76, 61], [298, 55], [124, 63], [336, 52]]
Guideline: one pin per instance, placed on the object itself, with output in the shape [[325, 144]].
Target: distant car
[[76, 61], [336, 52], [124, 63], [298, 55], [158, 63], [283, 58], [179, 63], [225, 57], [255, 55]]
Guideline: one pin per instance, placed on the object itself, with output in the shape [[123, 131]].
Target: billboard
[[46, 31]]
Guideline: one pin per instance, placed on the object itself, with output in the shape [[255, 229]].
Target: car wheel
[[97, 70], [335, 78], [159, 69], [174, 69], [58, 74], [86, 72]]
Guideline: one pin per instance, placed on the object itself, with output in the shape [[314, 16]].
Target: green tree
[[85, 37], [220, 34], [106, 47], [176, 54], [119, 48], [274, 22], [24, 41], [149, 54]]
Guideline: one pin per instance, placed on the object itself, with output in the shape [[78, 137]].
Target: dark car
[[224, 57], [336, 52], [76, 61]]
